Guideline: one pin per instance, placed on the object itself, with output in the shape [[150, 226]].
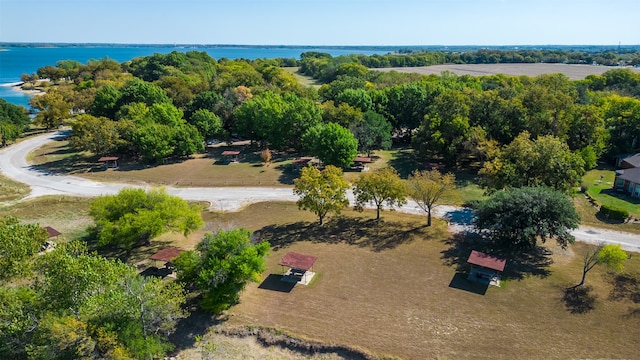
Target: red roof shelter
[[166, 254], [231, 153], [109, 160], [298, 261], [299, 265], [52, 232], [487, 269]]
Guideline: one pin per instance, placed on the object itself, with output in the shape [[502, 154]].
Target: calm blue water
[[22, 60]]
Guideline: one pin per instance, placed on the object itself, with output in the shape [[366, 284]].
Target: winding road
[[13, 164]]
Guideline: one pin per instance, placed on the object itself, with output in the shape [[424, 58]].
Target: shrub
[[614, 213]]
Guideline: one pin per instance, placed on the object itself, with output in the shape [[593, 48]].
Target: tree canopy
[[610, 255], [427, 188], [134, 216], [331, 143], [516, 218], [380, 187], [221, 265], [321, 192], [19, 243], [546, 161]]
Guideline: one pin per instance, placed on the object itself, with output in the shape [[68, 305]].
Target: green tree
[[516, 218], [13, 120], [427, 188], [134, 216], [611, 255], [100, 136], [19, 243], [372, 133], [221, 266], [19, 312], [321, 192], [52, 109], [207, 123], [139, 91], [545, 161], [105, 102], [379, 187], [331, 143]]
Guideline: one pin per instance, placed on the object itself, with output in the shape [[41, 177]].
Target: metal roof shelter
[[166, 254], [231, 153], [107, 160], [487, 269], [299, 265], [361, 162], [52, 232]]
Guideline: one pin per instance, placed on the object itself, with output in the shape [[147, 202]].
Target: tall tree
[[610, 255], [321, 192], [516, 218], [331, 143], [372, 133], [221, 265], [380, 187], [427, 188], [100, 136], [52, 109]]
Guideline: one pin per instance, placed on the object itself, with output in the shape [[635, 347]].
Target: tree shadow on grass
[[194, 326], [625, 287], [520, 264], [405, 162], [579, 299], [288, 173], [368, 233]]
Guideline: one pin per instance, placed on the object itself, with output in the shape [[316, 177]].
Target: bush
[[614, 213]]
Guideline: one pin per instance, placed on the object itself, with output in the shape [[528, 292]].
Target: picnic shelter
[[231, 155], [485, 268], [109, 161], [361, 162], [166, 255], [299, 265]]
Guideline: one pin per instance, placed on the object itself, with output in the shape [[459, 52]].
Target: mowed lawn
[[391, 289]]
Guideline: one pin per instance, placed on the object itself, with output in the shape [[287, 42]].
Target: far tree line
[[163, 106]]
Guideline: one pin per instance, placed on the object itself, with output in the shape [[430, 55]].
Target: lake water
[[15, 61]]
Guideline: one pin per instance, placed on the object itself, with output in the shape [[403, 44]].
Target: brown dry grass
[[391, 288], [574, 72], [11, 190], [203, 170], [67, 214]]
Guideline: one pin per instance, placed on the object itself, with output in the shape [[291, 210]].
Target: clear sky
[[323, 22]]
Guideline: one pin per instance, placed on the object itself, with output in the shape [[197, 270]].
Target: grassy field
[[574, 72], [303, 79], [398, 288], [11, 190], [600, 184]]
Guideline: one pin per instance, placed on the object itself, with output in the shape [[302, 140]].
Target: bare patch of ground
[[574, 72]]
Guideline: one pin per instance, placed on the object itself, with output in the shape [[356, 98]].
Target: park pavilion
[[300, 266], [485, 268]]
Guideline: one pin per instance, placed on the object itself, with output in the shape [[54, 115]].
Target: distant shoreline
[[31, 92]]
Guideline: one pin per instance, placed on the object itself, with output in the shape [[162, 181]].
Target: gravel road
[[13, 164]]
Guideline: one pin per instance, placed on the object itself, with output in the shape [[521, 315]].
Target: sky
[[326, 22]]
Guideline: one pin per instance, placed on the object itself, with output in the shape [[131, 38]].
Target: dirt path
[[14, 164]]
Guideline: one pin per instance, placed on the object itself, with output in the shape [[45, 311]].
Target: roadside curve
[[14, 164]]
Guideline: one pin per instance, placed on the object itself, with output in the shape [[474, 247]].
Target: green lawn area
[[600, 187]]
